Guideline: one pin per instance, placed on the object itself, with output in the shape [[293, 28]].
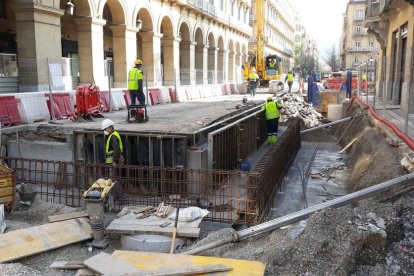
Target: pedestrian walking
[[135, 85], [272, 114]]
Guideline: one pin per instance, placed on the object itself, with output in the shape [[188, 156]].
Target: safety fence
[[386, 84]]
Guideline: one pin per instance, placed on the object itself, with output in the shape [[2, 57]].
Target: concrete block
[[150, 243]]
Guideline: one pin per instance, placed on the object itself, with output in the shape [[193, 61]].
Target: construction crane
[[268, 68]]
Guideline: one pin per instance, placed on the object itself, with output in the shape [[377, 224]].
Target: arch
[[117, 8], [197, 27], [182, 21], [145, 15], [185, 53], [82, 7], [165, 25], [211, 60]]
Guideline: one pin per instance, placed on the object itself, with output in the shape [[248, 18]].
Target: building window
[[359, 15], [358, 45], [3, 13], [358, 29], [371, 45], [356, 61], [232, 8], [221, 4]]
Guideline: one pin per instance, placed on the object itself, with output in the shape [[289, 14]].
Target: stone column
[[125, 50], [205, 65], [38, 33], [91, 53], [151, 57], [226, 65], [192, 63], [171, 60]]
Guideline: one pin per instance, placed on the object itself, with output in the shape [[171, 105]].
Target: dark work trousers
[[134, 95], [272, 126], [141, 98]]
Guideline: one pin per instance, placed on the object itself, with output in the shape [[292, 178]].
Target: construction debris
[[328, 172], [347, 147], [69, 265], [163, 211], [294, 106]]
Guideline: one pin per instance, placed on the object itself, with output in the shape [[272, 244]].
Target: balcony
[[359, 18], [361, 33], [360, 49]]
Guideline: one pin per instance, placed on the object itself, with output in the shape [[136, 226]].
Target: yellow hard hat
[[138, 62]]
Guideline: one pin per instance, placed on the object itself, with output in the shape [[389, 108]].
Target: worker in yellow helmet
[[135, 86], [272, 113]]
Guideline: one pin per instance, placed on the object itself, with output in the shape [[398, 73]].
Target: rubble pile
[[294, 106]]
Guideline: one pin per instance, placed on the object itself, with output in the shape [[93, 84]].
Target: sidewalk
[[394, 114]]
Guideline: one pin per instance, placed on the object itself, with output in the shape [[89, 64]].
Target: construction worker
[[135, 86], [253, 79], [272, 64], [272, 113], [289, 78], [364, 82], [113, 144]]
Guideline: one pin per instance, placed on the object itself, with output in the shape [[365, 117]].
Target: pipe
[[407, 140], [234, 238], [332, 123]]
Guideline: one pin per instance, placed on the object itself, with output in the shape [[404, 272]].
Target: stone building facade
[[392, 23], [179, 41], [357, 45]]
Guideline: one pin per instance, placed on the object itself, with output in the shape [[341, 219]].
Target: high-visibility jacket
[[364, 77], [290, 77], [133, 77], [272, 64], [272, 110], [253, 76], [109, 151]]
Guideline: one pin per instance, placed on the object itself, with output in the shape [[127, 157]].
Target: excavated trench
[[370, 237]]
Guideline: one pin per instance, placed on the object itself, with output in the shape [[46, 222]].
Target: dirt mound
[[348, 239]]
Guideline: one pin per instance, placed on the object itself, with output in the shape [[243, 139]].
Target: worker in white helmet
[[113, 145]]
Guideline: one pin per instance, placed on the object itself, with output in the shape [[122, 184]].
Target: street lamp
[[69, 7], [139, 23]]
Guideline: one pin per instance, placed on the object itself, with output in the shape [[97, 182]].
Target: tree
[[331, 58]]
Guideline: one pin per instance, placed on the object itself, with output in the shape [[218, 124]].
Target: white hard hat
[[106, 123], [254, 69]]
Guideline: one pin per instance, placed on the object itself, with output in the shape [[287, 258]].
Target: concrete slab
[[183, 118]]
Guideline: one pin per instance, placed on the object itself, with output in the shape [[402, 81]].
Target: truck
[[269, 67]]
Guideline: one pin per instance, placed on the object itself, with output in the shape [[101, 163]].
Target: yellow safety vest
[[133, 77], [110, 153], [364, 77], [290, 77], [252, 76], [272, 110], [272, 64]]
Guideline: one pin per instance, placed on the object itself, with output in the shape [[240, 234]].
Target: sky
[[322, 20]]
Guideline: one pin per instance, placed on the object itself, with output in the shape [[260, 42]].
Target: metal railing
[[229, 146], [361, 49]]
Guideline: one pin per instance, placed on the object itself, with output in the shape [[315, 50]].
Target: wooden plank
[[69, 265], [104, 263], [29, 241], [150, 263], [68, 216], [139, 229], [129, 224], [85, 272], [348, 146], [133, 209], [191, 270]]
